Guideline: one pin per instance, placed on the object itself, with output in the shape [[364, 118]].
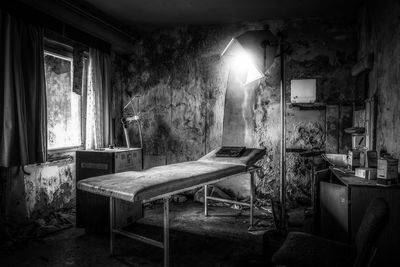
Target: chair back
[[372, 224]]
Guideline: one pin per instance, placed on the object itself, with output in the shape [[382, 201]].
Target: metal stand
[[283, 138]]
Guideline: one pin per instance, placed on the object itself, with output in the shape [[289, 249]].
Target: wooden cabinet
[[343, 200]]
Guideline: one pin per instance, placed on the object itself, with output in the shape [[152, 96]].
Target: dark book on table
[[231, 151]]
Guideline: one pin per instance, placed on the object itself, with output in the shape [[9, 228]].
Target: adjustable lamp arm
[[127, 120]]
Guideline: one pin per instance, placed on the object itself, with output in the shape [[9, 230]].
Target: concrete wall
[[182, 80], [379, 32]]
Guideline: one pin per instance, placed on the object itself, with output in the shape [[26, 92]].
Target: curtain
[[98, 130], [23, 137], [78, 58]]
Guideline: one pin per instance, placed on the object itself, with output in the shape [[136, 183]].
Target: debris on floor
[[220, 239], [179, 198], [55, 221], [213, 191]]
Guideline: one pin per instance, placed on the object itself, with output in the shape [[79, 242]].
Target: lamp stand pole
[[283, 137]]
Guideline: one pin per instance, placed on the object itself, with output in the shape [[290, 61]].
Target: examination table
[[164, 181]]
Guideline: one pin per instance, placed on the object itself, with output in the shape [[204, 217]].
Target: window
[[64, 107]]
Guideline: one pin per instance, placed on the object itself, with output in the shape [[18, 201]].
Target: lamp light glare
[[242, 63], [253, 74]]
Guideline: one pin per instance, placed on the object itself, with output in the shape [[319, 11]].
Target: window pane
[[63, 105]]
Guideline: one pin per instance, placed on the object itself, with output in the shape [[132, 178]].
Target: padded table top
[[157, 181]]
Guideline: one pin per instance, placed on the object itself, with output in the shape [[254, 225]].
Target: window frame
[[65, 52]]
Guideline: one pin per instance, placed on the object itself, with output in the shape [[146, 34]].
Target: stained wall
[[182, 80], [379, 33]]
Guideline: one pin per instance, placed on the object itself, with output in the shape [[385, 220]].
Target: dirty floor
[[221, 239]]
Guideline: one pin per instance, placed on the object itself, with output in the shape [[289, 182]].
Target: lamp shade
[[260, 48]]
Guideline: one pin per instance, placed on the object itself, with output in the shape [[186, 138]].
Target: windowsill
[[65, 158], [64, 149], [59, 158], [61, 154]]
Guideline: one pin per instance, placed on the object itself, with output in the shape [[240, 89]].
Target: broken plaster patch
[[308, 135], [49, 186]]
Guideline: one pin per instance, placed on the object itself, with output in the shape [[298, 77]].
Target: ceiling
[[172, 12]]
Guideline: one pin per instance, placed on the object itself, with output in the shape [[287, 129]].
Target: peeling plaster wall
[[182, 80], [42, 189], [379, 32], [50, 186]]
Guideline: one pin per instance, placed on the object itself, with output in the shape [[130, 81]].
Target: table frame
[[166, 199]]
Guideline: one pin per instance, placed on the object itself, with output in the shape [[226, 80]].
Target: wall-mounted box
[[303, 90]]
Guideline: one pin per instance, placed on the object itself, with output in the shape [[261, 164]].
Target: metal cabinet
[[92, 210], [334, 210]]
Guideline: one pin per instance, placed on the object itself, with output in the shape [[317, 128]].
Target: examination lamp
[[252, 53], [132, 117]]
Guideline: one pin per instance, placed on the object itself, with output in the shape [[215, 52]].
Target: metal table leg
[[112, 224], [251, 198], [166, 231], [205, 201]]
